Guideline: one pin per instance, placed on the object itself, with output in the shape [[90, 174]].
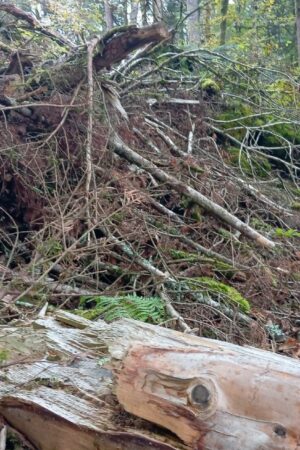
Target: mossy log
[[66, 383]]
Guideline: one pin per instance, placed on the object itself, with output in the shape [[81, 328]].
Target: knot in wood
[[200, 395]]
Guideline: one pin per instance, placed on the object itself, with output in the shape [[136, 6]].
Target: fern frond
[[146, 309]]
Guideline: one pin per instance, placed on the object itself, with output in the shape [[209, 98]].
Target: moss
[[237, 110], [161, 226], [256, 166], [196, 213], [186, 202], [229, 293], [296, 276], [210, 85], [225, 233], [295, 191], [181, 254], [271, 136], [217, 266], [118, 218], [196, 168], [260, 225], [277, 133], [89, 314], [295, 205], [224, 269], [3, 355]]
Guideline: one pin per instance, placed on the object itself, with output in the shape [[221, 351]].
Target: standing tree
[[134, 9], [108, 15], [157, 6], [297, 13], [224, 11], [193, 26], [145, 6]]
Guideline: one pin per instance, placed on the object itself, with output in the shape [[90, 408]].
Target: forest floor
[[43, 204], [85, 229]]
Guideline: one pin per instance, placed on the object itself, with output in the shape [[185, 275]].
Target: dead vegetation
[[122, 183]]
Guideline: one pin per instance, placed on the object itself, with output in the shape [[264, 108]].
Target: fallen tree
[[68, 383]]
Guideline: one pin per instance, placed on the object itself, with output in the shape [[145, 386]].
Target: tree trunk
[[297, 12], [66, 381], [134, 11], [157, 10], [125, 12], [207, 23], [144, 9], [193, 25], [223, 26], [108, 15]]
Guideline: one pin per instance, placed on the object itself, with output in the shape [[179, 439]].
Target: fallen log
[[67, 382]]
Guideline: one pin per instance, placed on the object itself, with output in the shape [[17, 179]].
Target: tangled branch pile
[[168, 182]]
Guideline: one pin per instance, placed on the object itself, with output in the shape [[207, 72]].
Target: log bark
[[56, 390]]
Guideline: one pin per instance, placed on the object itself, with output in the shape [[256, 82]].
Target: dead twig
[[123, 150]]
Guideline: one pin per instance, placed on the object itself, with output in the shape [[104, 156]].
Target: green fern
[[146, 309]]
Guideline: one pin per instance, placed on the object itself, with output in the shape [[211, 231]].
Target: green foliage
[[228, 293], [284, 92], [146, 309], [77, 19], [50, 248], [290, 233]]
